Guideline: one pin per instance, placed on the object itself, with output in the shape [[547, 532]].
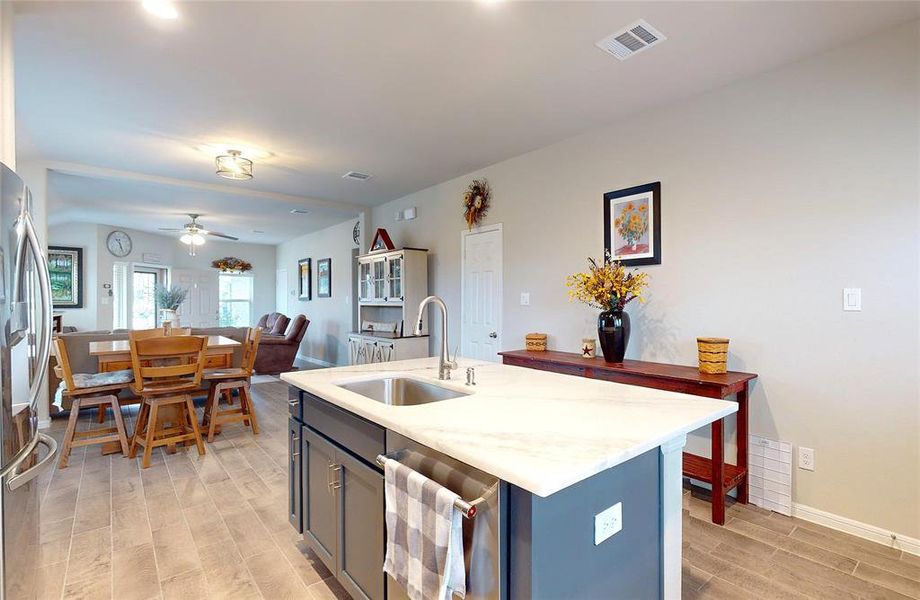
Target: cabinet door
[[295, 481], [378, 268], [365, 285], [319, 507], [361, 528], [395, 279], [386, 351]]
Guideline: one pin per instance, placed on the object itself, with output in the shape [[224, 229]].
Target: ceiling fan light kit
[[234, 166], [193, 234]]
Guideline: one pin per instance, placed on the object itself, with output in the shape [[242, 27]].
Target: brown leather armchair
[[277, 352], [273, 323]]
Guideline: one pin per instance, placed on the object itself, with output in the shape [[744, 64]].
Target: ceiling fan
[[193, 233]]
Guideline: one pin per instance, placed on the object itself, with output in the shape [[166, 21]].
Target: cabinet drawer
[[358, 435]]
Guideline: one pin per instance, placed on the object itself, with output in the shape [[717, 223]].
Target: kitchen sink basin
[[402, 391]]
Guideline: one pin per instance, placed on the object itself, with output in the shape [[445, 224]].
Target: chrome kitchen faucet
[[445, 364]]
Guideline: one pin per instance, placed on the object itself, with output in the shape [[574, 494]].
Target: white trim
[[464, 234], [671, 481], [856, 528], [316, 361]]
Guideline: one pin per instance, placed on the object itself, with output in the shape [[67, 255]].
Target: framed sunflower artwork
[[632, 224]]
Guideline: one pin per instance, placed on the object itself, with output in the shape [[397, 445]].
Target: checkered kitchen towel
[[424, 535]]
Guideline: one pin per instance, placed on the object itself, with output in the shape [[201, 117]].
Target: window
[[145, 302], [235, 300], [120, 295]]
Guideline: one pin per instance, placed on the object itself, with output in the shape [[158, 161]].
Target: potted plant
[[609, 287], [169, 299]]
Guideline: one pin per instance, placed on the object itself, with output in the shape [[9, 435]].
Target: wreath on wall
[[476, 202], [232, 264]]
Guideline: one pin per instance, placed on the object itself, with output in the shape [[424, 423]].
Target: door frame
[[464, 234]]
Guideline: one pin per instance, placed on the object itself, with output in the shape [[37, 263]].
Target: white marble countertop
[[540, 431]]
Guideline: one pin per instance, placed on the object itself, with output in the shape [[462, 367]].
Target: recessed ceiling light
[[299, 211], [162, 9]]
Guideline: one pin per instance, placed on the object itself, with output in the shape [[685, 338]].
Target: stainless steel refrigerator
[[25, 342]]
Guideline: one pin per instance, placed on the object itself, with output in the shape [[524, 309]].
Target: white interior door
[[200, 308], [481, 330], [281, 291]]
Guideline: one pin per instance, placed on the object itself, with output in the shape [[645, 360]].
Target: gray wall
[[778, 191], [330, 318]]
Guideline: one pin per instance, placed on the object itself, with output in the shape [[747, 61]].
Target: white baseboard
[[316, 361], [856, 528]]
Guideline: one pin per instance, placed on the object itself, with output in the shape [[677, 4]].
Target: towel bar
[[467, 509]]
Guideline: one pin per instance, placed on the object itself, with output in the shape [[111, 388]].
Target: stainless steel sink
[[402, 391]]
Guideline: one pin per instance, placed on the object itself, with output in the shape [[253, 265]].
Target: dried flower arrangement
[[230, 263], [476, 202], [169, 298], [607, 286]]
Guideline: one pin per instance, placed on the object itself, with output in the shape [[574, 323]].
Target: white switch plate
[[806, 458], [608, 522], [525, 298], [852, 299]]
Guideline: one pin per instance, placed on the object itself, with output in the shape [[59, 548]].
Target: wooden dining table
[[115, 355]]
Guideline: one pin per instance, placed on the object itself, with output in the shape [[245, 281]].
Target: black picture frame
[[648, 195], [304, 275], [65, 268], [324, 278]]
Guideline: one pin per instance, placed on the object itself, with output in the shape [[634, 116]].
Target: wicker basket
[[535, 342], [713, 354]]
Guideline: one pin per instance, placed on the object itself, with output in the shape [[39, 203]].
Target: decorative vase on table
[[169, 316], [607, 285], [613, 332]]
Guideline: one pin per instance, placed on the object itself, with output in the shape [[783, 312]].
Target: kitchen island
[[561, 451]]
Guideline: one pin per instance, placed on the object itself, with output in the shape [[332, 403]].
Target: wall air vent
[[631, 40], [356, 176]]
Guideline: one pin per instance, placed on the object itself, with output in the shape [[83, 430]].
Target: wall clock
[[119, 244], [356, 233]]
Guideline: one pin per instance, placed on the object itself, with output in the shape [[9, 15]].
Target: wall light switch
[[608, 523], [852, 299], [525, 298]]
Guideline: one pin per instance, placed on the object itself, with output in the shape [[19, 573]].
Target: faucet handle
[[452, 362]]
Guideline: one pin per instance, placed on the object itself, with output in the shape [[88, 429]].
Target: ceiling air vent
[[299, 211], [356, 176], [631, 40]]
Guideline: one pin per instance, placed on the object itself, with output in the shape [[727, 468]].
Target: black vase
[[613, 332]]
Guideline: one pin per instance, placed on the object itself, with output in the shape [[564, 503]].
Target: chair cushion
[[91, 380], [225, 374], [280, 325]]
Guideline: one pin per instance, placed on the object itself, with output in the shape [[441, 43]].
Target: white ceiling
[[147, 206], [414, 93]]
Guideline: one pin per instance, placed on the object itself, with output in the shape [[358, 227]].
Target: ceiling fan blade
[[169, 229], [222, 235]]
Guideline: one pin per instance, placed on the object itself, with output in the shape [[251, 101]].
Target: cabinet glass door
[[379, 274], [394, 279], [365, 285]]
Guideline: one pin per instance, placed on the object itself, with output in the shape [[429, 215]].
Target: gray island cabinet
[[577, 494]]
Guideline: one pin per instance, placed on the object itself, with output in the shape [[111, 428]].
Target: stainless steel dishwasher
[[483, 538]]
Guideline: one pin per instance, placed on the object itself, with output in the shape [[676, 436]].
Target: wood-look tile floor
[[188, 527], [216, 527]]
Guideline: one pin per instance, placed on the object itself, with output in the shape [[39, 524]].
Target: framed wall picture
[[303, 270], [65, 266], [632, 224], [324, 278]]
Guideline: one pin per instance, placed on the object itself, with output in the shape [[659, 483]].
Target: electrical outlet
[[608, 523], [525, 298], [806, 458]]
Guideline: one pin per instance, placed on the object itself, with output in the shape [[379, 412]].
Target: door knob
[[493, 335]]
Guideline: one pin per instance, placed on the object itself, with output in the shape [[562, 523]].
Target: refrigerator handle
[[44, 284], [25, 477]]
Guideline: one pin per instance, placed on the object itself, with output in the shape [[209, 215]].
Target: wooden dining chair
[[167, 371], [224, 381], [90, 390]]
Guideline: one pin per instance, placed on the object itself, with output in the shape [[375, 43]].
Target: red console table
[[722, 476]]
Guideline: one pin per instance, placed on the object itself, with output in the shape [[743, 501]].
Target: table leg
[[718, 468], [742, 429]]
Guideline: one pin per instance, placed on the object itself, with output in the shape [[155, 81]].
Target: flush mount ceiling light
[[162, 9], [233, 166]]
